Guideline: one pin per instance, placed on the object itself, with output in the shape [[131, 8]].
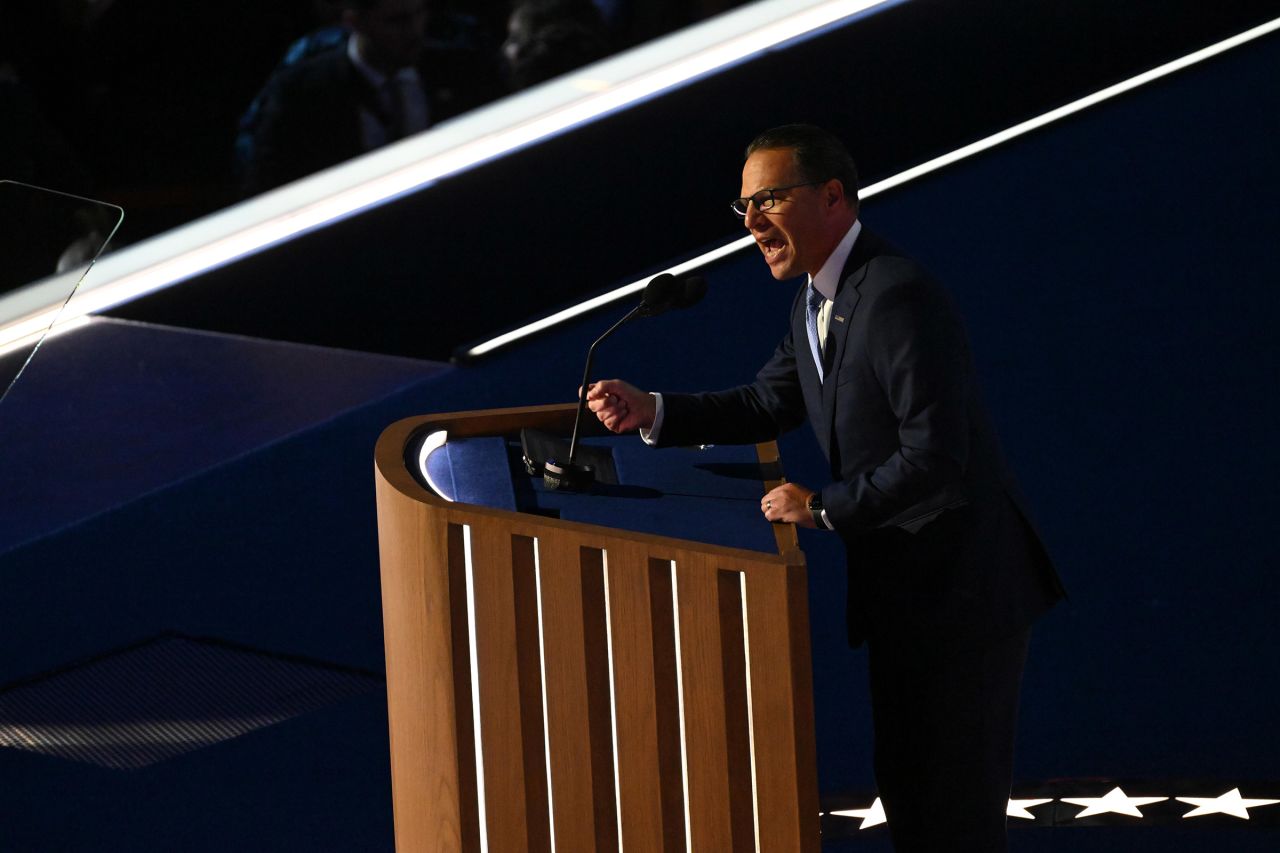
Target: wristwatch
[[815, 509]]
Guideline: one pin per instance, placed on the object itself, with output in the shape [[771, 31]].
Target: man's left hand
[[789, 503]]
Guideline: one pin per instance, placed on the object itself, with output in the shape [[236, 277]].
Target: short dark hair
[[819, 154]]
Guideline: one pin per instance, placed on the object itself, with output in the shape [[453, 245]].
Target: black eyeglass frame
[[770, 198]]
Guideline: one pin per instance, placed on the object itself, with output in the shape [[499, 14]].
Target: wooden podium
[[553, 679]]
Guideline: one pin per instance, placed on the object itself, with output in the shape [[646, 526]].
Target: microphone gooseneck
[[661, 294]]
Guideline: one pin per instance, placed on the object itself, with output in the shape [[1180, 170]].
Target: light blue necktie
[[813, 305]]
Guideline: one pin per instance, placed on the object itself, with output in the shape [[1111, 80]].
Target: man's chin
[[779, 271]]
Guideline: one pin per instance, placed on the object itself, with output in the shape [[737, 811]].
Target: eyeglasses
[[765, 199]]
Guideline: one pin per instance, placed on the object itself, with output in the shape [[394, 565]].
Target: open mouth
[[771, 248]]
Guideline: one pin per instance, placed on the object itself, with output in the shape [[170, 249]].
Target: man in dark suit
[[945, 572], [388, 80]]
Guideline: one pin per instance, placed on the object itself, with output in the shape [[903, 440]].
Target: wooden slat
[[805, 746], [595, 637], [496, 663], [666, 699], [529, 670], [733, 668], [633, 673], [702, 679], [427, 794], [782, 708], [469, 813], [784, 535], [568, 722]]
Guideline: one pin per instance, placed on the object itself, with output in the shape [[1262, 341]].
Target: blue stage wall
[[1116, 274]]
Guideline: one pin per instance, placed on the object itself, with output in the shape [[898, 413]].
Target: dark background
[[148, 97]]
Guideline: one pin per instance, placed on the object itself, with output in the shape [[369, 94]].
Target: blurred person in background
[[378, 81], [547, 38]]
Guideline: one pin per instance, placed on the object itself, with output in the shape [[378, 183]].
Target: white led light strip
[[684, 733], [613, 701], [605, 298], [542, 674], [751, 714], [891, 182], [434, 442], [492, 131], [475, 688]]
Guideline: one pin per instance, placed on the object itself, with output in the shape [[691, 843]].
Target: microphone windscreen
[[659, 294], [693, 289]]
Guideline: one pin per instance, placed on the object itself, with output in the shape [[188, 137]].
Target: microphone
[[666, 292], [663, 293], [695, 287], [659, 294]]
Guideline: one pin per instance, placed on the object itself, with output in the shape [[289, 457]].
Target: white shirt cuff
[[650, 436]]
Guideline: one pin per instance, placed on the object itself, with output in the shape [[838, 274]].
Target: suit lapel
[[846, 302]]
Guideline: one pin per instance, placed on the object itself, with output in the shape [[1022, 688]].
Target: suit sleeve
[[748, 414], [918, 353]]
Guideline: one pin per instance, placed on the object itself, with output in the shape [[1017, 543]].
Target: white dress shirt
[[828, 278]]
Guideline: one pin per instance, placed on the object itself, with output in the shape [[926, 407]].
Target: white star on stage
[[1018, 808], [871, 816], [1229, 803], [1115, 802]]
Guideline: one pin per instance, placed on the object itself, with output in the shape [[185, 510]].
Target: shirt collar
[[828, 278]]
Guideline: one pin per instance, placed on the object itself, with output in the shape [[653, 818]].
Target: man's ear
[[833, 192]]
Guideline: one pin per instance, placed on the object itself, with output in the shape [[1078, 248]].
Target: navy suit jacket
[[939, 542]]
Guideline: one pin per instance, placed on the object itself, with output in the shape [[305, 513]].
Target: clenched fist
[[621, 407]]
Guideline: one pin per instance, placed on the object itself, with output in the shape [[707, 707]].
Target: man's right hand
[[621, 407]]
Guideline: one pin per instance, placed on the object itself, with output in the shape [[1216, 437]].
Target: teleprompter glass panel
[[48, 242]]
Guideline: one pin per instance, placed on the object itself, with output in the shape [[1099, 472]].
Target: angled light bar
[[492, 131], [878, 187], [604, 299], [1077, 105]]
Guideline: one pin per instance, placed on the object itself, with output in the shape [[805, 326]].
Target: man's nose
[[752, 217]]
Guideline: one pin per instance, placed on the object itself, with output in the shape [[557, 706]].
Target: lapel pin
[[839, 319]]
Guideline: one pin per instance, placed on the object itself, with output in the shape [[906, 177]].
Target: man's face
[[393, 31], [795, 235]]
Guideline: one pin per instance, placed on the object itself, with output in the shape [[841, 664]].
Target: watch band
[[818, 513]]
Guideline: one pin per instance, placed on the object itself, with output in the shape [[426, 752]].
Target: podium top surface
[[710, 495]]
